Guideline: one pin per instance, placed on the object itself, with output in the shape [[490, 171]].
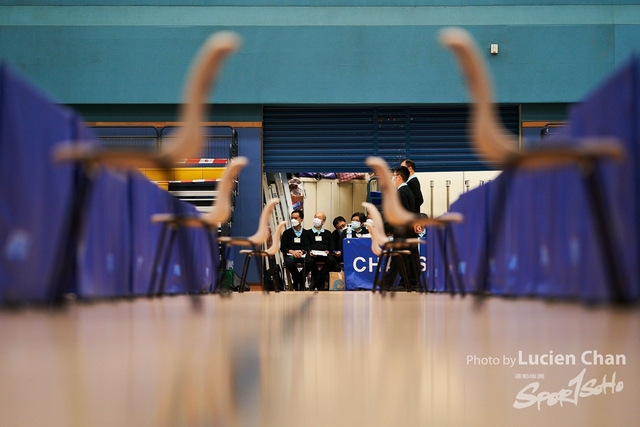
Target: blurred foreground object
[[90, 156], [494, 143]]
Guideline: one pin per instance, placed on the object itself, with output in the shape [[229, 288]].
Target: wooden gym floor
[[320, 359]]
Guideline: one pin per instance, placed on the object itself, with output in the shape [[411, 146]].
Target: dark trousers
[[394, 268], [411, 262], [297, 277], [318, 277]]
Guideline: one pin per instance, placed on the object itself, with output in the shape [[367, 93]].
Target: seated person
[[339, 223], [357, 228], [419, 230], [320, 250], [294, 245]]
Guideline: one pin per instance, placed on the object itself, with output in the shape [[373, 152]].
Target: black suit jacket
[[407, 201], [414, 185], [407, 198]]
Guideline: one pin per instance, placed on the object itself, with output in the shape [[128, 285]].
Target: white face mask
[[295, 223], [355, 224], [317, 222]]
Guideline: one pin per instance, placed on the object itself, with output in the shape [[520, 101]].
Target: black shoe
[[320, 284]]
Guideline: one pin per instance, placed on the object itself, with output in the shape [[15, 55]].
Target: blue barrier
[[119, 240], [613, 109], [105, 256], [34, 195], [548, 245]]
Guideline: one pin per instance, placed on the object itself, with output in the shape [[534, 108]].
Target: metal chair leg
[[455, 260], [167, 259], [245, 271], [211, 242], [383, 256], [260, 264], [65, 268], [417, 271], [403, 272], [156, 261]]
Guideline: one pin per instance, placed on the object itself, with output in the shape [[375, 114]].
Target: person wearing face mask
[[294, 245], [357, 229], [414, 184], [339, 223], [320, 250]]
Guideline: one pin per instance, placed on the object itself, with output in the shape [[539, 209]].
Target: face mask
[[317, 222], [355, 224], [295, 223]]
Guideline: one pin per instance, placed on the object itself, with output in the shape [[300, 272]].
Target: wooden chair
[[385, 249], [90, 156], [219, 213], [256, 240], [398, 216], [497, 146], [269, 253]]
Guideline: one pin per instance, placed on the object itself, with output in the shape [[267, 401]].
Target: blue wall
[[340, 53], [249, 201]]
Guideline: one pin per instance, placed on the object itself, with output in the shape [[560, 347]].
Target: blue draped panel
[[439, 271], [146, 199], [119, 241], [105, 257], [190, 268], [35, 193], [548, 244], [470, 235], [614, 109]]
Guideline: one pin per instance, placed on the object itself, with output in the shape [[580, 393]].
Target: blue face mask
[[355, 224]]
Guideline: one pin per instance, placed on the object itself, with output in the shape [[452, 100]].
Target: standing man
[[400, 177], [294, 245], [320, 250], [414, 184]]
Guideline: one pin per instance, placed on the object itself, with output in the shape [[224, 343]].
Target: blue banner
[[360, 264]]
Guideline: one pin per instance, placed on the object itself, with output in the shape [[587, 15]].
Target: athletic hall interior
[[319, 213]]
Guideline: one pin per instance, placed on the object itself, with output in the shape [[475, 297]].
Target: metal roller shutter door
[[339, 139]]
